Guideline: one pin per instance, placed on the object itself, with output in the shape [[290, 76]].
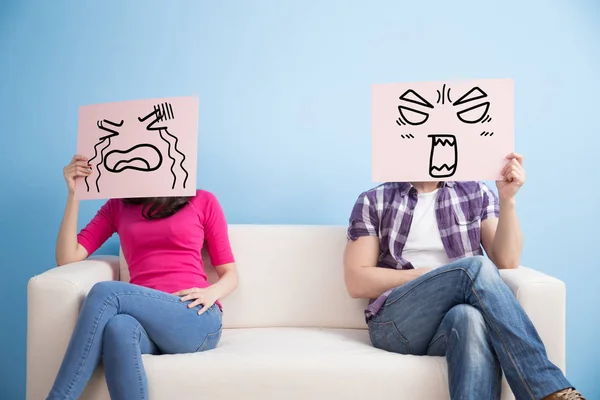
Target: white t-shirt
[[424, 247]]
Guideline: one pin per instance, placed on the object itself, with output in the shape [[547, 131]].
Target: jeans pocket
[[386, 336], [210, 341]]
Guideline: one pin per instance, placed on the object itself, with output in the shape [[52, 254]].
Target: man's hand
[[207, 297], [418, 272], [513, 176]]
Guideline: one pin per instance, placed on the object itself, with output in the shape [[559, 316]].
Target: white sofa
[[291, 330]]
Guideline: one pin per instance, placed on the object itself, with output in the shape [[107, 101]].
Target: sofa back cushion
[[290, 276]]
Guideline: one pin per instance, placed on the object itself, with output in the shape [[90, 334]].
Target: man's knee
[[482, 266], [467, 320]]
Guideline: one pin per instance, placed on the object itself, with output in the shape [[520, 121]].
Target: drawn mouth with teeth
[[444, 156]]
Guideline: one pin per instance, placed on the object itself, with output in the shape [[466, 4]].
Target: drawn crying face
[[142, 157], [415, 110]]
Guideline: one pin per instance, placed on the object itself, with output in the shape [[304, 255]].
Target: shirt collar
[[405, 187]]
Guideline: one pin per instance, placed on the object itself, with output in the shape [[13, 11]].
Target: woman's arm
[[70, 246], [227, 283], [228, 280], [219, 250], [68, 249]]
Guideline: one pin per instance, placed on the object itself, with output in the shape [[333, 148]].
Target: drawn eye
[[412, 116], [474, 114], [111, 132]]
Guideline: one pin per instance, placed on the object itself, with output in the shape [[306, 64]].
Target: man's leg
[[124, 342], [413, 312], [473, 368]]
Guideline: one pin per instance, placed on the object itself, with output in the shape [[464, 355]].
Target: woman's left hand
[[207, 297]]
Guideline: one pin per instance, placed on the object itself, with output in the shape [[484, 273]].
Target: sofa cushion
[[289, 276], [291, 363]]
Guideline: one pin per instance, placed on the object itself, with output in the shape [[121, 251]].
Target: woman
[[168, 308]]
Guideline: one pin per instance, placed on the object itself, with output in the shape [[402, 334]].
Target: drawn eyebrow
[[113, 133], [158, 118], [479, 94], [154, 112], [120, 124], [413, 97]]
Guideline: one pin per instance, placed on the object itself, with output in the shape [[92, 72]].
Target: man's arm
[[501, 237], [363, 278]]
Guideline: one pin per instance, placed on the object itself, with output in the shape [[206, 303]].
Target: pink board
[[440, 131], [143, 148]]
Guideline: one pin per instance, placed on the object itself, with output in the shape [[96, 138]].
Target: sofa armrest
[[544, 300], [53, 302]]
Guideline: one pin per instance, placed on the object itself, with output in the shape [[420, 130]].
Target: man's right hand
[[78, 166], [421, 271]]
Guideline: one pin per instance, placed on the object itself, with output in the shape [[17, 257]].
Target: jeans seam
[[395, 328], [423, 281], [86, 349], [435, 340], [402, 336], [137, 333], [152, 295], [510, 356], [207, 338]]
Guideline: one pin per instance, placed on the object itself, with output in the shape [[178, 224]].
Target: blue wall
[[285, 117]]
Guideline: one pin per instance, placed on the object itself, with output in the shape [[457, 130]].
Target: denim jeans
[[118, 323], [465, 312]]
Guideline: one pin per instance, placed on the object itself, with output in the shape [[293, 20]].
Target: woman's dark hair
[[159, 207]]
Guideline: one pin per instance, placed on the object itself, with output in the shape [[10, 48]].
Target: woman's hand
[[77, 167], [207, 297]]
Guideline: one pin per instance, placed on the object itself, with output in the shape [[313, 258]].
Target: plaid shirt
[[386, 211]]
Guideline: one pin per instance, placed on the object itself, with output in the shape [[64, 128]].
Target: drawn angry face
[[415, 111]]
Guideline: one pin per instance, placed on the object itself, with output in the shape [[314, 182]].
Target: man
[[415, 250]]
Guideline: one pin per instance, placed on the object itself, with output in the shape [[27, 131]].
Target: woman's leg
[[169, 323], [124, 342], [413, 312], [473, 368]]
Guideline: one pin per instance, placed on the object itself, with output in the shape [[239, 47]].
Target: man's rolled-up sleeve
[[363, 219]]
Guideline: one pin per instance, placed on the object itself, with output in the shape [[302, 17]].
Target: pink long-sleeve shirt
[[164, 254]]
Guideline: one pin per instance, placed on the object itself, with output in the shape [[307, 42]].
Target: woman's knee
[[104, 290], [118, 328]]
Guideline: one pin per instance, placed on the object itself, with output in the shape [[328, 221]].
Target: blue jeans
[[119, 322], [465, 312]]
